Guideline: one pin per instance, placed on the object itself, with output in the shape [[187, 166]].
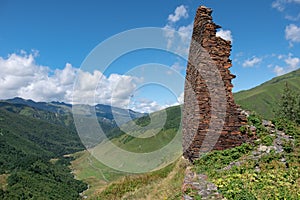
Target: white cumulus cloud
[[292, 63], [17, 71], [279, 70], [225, 34], [180, 99], [251, 62], [21, 76], [292, 33], [178, 37], [179, 13], [146, 105]]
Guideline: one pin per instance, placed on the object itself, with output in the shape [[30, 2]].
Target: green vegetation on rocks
[[245, 172]]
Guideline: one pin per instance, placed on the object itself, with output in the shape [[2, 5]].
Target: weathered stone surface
[[200, 186], [208, 100]]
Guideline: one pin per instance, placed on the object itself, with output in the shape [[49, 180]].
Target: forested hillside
[[31, 160]]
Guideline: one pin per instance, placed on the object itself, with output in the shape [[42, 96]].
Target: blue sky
[[43, 43]]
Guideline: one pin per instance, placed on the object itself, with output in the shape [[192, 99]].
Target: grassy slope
[[145, 140], [106, 183], [85, 167], [162, 184], [100, 177], [262, 99]]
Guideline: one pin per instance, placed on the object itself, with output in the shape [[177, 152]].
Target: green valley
[[36, 137]]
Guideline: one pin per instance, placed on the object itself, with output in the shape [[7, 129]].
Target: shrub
[[288, 147], [267, 140]]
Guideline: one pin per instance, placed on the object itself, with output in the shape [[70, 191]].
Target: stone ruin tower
[[206, 125]]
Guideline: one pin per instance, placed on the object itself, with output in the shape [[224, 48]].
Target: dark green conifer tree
[[289, 105]]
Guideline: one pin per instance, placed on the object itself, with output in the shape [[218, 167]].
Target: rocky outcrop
[[196, 186], [211, 119]]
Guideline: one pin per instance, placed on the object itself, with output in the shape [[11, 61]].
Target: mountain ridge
[[61, 113]]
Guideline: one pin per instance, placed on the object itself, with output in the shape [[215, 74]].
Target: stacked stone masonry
[[208, 50]]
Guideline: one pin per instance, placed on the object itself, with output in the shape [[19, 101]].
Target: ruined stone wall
[[211, 119]]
